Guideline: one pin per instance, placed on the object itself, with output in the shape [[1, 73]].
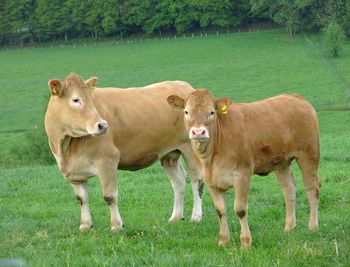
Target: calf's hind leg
[[81, 193], [287, 181], [241, 186], [309, 167]]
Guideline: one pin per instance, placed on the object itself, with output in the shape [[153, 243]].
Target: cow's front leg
[[219, 199], [81, 193], [108, 180], [242, 182]]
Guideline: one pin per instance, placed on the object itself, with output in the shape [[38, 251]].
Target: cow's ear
[[91, 83], [176, 102], [56, 87], [222, 105]]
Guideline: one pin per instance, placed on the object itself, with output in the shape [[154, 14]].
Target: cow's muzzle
[[102, 127]]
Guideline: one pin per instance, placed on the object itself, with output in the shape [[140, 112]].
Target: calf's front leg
[[219, 199], [81, 193]]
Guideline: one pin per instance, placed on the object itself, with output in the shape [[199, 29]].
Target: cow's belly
[[138, 162], [138, 157]]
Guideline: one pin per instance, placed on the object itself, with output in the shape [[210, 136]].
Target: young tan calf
[[233, 141]]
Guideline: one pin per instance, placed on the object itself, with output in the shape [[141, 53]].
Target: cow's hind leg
[[309, 166], [81, 193], [196, 183], [287, 181], [172, 166], [197, 191]]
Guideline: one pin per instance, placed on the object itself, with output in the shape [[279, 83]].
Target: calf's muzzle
[[198, 133]]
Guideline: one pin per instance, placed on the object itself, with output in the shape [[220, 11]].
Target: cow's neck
[[59, 144], [64, 146]]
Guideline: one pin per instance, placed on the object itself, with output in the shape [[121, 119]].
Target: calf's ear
[[222, 105], [56, 87], [176, 102], [91, 83]]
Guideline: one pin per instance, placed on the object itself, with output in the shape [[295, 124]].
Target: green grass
[[39, 217]]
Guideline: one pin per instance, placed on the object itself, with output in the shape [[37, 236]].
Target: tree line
[[31, 21]]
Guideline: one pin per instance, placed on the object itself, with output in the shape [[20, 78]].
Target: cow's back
[[144, 127]]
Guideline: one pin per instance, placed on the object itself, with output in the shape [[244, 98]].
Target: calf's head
[[201, 111], [72, 108]]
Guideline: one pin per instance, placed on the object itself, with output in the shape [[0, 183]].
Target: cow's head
[[72, 107], [201, 110]]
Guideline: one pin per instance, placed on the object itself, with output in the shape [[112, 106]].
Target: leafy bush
[[333, 38], [35, 148]]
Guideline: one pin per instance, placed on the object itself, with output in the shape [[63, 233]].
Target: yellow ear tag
[[223, 109], [54, 91]]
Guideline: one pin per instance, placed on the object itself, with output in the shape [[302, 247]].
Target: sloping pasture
[[39, 217]]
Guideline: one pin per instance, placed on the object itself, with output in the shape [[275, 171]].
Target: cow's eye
[[186, 112], [212, 113], [76, 100]]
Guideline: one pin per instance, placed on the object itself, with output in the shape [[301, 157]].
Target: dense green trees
[[289, 13], [27, 21]]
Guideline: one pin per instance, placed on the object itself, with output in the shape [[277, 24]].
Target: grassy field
[[39, 217]]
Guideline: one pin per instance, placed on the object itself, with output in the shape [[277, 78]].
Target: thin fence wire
[[133, 40], [333, 104]]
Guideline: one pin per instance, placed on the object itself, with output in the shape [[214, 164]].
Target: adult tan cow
[[232, 141], [97, 131]]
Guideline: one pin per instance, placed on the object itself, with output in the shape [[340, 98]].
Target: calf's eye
[[212, 113], [186, 112]]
